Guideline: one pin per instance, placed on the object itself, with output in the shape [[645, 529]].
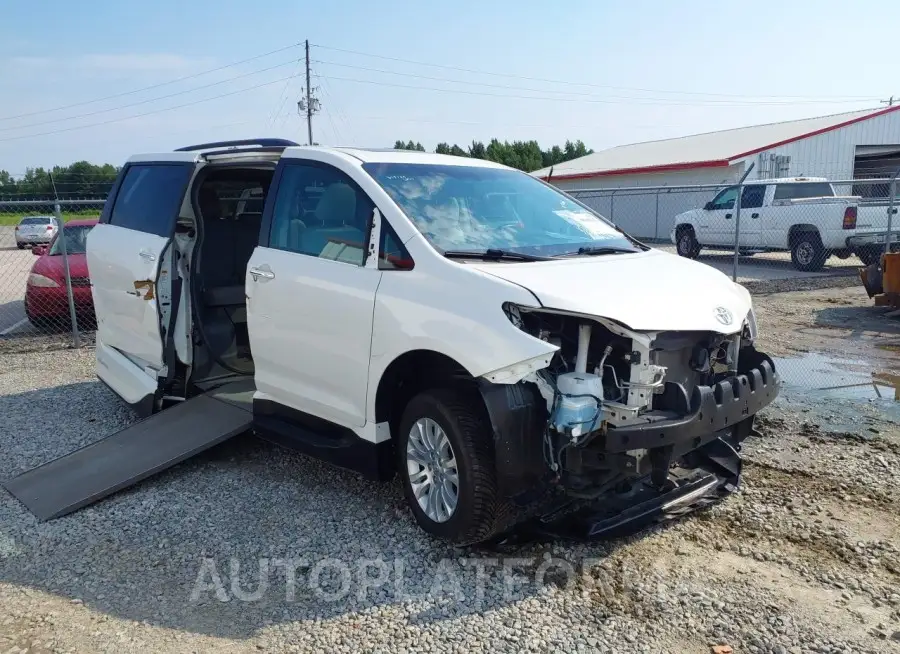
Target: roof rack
[[264, 142]]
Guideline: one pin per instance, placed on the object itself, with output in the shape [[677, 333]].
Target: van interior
[[216, 240]]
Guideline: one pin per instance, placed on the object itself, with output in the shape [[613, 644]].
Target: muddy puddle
[[842, 394]]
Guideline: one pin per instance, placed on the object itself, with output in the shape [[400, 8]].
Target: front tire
[[446, 461], [686, 243], [807, 252]]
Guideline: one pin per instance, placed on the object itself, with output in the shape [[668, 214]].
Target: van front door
[[311, 295], [124, 254]]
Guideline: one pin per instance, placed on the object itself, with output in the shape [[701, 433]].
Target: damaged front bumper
[[715, 474], [712, 409], [670, 461]]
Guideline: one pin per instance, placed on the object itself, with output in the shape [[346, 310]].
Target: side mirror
[[708, 206], [39, 250]]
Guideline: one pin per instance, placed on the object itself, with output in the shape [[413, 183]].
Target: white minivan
[[511, 354]]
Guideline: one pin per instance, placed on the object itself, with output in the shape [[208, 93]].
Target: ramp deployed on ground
[[123, 459]]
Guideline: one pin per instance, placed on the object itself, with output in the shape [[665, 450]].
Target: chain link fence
[[779, 230], [45, 288]]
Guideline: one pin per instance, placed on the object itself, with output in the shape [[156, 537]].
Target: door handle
[[261, 273], [146, 255], [754, 215], [728, 216]]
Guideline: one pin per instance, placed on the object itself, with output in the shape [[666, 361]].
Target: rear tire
[[21, 246], [807, 252], [686, 243], [870, 255], [478, 511]]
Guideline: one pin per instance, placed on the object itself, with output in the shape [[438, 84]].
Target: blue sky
[[645, 70]]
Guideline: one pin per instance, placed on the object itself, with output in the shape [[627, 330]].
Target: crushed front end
[[624, 427]]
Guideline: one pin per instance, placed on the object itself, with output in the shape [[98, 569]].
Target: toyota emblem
[[723, 315]]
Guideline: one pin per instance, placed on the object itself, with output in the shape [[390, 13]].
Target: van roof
[[269, 148]]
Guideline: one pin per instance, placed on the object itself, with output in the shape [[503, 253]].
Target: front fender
[[456, 311]]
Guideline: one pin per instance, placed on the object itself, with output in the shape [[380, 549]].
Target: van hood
[[646, 291]]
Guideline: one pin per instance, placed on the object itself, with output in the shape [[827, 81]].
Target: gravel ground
[[249, 548]]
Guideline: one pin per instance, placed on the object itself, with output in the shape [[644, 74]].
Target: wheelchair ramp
[[157, 443]]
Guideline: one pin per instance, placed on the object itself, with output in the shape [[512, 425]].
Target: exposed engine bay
[[624, 405]]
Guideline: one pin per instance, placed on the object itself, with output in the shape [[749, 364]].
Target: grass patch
[[14, 218]]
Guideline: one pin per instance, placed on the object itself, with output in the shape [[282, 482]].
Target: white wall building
[[859, 144]]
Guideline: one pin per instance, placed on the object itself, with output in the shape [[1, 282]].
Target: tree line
[[84, 179], [80, 179], [524, 155]]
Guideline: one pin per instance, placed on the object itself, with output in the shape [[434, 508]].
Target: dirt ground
[[804, 558]]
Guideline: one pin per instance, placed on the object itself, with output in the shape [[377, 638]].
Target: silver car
[[35, 230]]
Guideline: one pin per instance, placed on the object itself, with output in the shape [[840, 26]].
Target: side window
[[392, 255], [725, 199], [320, 212], [149, 198], [753, 196]]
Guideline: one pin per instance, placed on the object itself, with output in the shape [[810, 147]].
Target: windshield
[[473, 209], [76, 240]]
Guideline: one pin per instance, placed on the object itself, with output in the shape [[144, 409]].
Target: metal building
[[842, 146]]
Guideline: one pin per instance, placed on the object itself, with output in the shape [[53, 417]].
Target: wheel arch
[[411, 373], [801, 228], [516, 415]]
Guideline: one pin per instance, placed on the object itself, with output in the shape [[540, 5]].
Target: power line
[[147, 113], [282, 100], [590, 95], [504, 123], [532, 97], [332, 103], [554, 81], [148, 100], [153, 86]]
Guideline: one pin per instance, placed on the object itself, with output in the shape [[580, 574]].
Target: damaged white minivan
[[517, 359]]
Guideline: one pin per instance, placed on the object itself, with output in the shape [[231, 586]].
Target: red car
[[46, 299]]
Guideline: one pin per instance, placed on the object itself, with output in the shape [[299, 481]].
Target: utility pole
[[889, 102], [310, 104]]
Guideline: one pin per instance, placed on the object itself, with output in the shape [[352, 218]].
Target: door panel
[[311, 296], [124, 253], [310, 323], [751, 215], [126, 319], [719, 218]]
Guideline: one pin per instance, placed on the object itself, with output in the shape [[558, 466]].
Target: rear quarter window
[[803, 190], [149, 197]]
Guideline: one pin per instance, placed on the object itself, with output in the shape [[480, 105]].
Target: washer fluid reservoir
[[577, 411]]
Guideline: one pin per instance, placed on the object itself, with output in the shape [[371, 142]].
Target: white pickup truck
[[801, 214]]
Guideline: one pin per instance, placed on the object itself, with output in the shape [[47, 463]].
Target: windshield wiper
[[492, 254], [599, 250]]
